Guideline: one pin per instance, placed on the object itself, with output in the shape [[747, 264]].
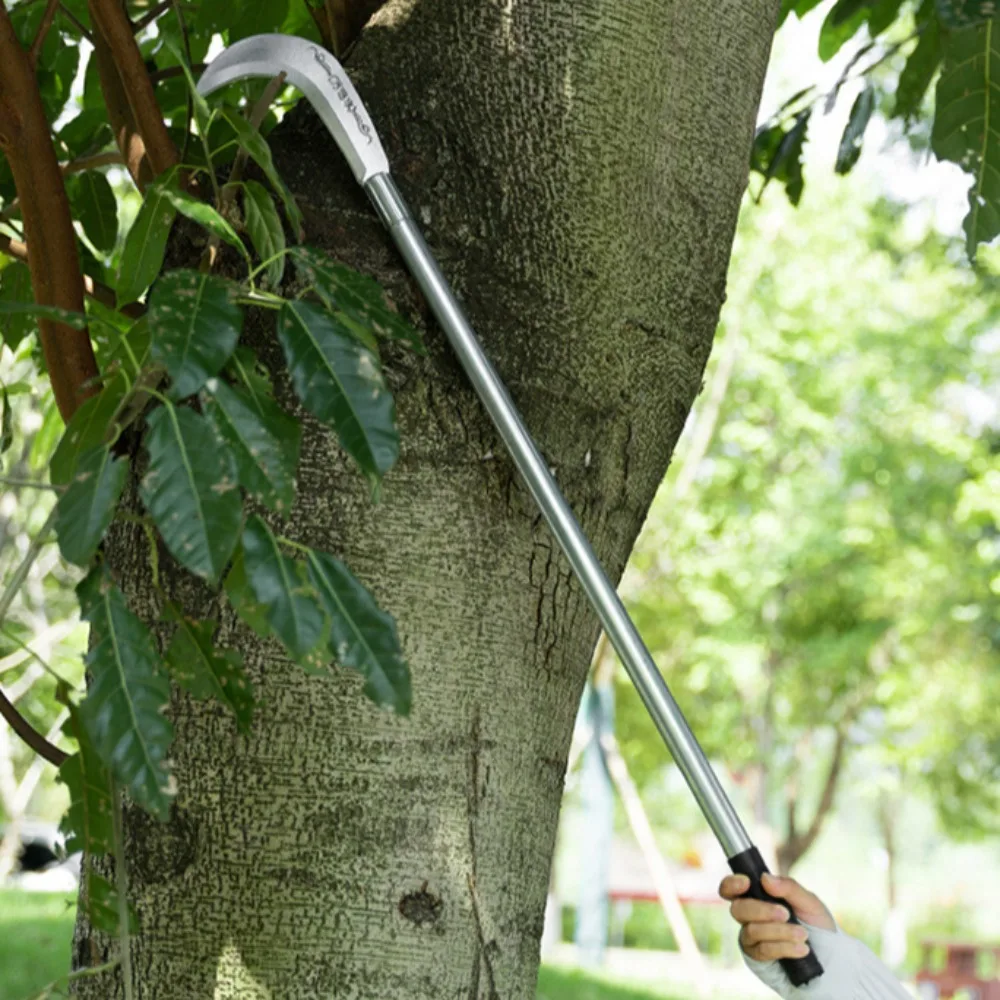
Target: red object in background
[[962, 971]]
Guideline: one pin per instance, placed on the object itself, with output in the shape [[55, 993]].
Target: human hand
[[765, 932]]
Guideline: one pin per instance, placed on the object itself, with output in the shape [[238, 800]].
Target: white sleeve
[[850, 972]]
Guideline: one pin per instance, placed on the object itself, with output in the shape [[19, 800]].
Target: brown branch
[[798, 844], [76, 22], [150, 16], [53, 259], [172, 72], [43, 30], [29, 734], [135, 116]]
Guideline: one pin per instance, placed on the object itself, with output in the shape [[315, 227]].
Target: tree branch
[[796, 845], [172, 72], [29, 734], [43, 30], [53, 259], [135, 116], [76, 22], [150, 16]]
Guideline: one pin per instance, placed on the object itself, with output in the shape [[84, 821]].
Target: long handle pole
[[623, 635], [666, 714]]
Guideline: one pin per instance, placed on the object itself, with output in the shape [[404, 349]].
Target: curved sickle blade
[[322, 80]]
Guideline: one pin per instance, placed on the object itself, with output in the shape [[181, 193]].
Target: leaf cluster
[[219, 450], [901, 48]]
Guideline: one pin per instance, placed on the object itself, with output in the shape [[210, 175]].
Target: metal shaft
[[669, 719]]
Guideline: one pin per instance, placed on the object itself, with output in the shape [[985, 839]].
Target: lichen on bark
[[578, 166]]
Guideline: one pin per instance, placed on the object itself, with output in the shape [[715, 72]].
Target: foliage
[[833, 566], [901, 46], [184, 403]]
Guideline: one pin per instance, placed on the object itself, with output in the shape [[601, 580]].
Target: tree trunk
[[578, 166]]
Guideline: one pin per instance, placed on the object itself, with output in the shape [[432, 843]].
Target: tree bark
[[578, 167]]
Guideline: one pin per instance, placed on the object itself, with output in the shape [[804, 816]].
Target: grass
[[36, 930], [35, 933], [568, 984]]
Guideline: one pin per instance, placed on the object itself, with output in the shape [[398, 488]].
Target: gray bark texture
[[578, 166]]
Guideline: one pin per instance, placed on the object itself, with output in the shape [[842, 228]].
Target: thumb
[[807, 906]]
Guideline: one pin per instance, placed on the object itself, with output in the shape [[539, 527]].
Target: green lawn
[[36, 929], [567, 984], [35, 933]]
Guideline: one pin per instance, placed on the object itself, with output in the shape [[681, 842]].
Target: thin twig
[[31, 736], [76, 22], [70, 977], [172, 72], [148, 18], [21, 573], [43, 30], [27, 484]]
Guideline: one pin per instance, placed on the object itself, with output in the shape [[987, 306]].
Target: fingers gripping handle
[[750, 863]]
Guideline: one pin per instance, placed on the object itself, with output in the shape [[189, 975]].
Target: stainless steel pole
[[670, 721]]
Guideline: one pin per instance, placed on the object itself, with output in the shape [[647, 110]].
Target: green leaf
[[797, 7], [127, 696], [191, 490], [195, 324], [103, 905], [87, 133], [777, 154], [279, 584], [202, 112], [264, 441], [958, 14], [206, 672], [206, 216], [96, 207], [15, 286], [883, 15], [967, 123], [89, 427], [87, 826], [362, 635], [85, 510], [844, 21], [266, 231], [146, 243], [340, 381], [918, 71], [242, 598], [78, 321], [256, 146], [130, 351], [252, 376], [850, 142], [360, 297]]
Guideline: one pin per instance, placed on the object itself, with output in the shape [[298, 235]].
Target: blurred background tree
[[816, 574]]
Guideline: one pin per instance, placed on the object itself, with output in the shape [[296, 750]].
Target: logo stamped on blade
[[345, 98]]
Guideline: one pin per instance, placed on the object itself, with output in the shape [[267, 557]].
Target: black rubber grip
[[799, 970]]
